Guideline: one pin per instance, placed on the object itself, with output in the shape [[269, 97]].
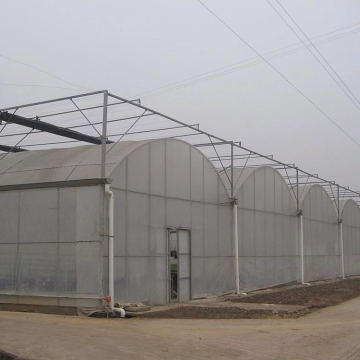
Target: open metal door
[[184, 264], [179, 261]]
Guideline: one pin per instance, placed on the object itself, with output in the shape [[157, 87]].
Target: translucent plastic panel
[[157, 167], [138, 215], [138, 169], [184, 290], [184, 241], [197, 175], [184, 266], [9, 217], [177, 169]]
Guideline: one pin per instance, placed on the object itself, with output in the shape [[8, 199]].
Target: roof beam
[[14, 149], [50, 128]]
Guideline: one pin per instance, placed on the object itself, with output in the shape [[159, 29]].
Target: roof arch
[[350, 212], [316, 203], [261, 188], [75, 163], [83, 162]]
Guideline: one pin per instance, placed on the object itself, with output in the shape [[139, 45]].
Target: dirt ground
[[331, 334], [319, 294], [308, 298], [195, 312]]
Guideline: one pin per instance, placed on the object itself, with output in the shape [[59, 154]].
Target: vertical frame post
[[299, 213], [297, 190], [233, 201], [232, 172], [340, 235], [103, 135]]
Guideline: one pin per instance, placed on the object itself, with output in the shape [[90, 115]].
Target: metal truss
[[103, 118]]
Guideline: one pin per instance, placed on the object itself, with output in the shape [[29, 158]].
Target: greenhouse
[[145, 208], [53, 224]]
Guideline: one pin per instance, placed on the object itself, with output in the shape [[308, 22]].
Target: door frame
[[173, 229]]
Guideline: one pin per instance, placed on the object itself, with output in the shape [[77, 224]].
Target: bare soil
[[317, 295], [197, 312]]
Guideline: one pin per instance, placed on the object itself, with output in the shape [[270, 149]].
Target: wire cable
[[319, 52], [44, 72], [316, 58], [44, 86], [226, 72], [279, 73], [163, 89]]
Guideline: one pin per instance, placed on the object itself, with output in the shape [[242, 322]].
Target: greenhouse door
[[179, 265]]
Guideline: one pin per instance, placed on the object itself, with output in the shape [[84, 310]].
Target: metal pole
[[103, 135], [301, 235], [53, 100], [338, 202], [232, 171], [236, 248], [340, 235], [341, 249], [297, 190], [233, 200]]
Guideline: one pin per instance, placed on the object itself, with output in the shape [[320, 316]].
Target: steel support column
[[103, 135]]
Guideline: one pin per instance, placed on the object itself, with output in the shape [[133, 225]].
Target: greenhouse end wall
[[169, 184], [350, 215], [267, 227], [50, 245], [321, 241]]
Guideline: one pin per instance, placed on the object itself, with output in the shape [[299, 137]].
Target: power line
[[164, 89], [44, 86], [180, 86], [43, 71], [319, 53], [278, 72], [322, 65]]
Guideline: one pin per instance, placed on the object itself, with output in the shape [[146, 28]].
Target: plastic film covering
[[169, 184], [50, 242], [77, 163], [350, 215], [266, 229], [321, 245]]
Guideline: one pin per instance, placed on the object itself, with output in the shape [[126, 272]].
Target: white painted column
[[341, 242], [236, 247]]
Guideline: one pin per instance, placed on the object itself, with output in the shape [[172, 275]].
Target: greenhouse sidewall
[[50, 244]]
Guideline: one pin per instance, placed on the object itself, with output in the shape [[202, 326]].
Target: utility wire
[[222, 73], [44, 86], [319, 52], [186, 82], [44, 72], [279, 73], [316, 58]]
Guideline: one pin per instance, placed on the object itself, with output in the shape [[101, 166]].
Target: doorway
[[179, 270]]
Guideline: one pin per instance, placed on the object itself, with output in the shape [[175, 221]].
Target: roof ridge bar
[[50, 128]]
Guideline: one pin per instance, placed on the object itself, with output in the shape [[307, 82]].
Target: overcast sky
[[133, 47]]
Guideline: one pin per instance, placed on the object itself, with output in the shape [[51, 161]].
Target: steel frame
[[98, 128]]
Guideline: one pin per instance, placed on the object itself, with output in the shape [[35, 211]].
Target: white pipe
[[301, 237], [121, 311], [236, 247], [341, 249], [111, 244]]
